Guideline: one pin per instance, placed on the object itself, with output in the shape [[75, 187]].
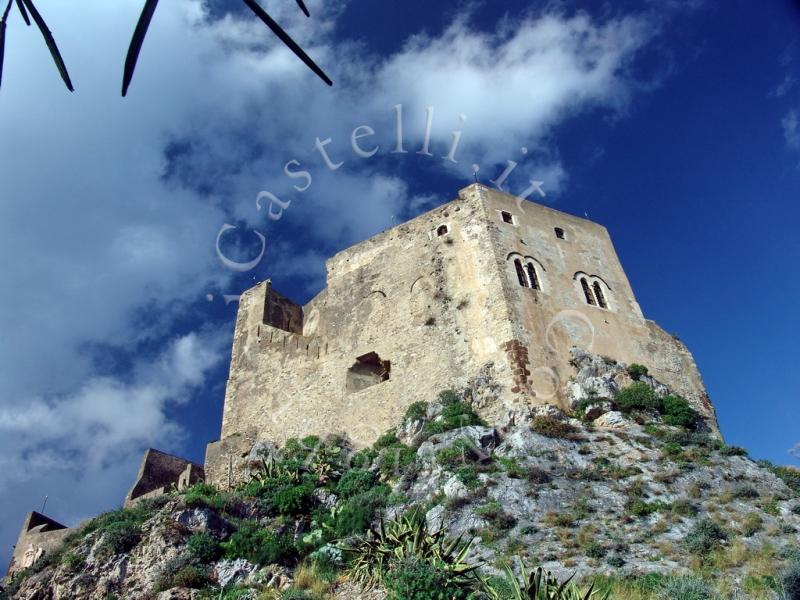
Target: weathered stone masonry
[[484, 279]]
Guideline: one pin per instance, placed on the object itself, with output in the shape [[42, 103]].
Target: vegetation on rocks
[[445, 507]]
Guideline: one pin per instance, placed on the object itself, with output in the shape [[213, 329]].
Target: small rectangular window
[[507, 217], [560, 233]]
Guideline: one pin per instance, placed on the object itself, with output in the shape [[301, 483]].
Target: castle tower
[[484, 284]]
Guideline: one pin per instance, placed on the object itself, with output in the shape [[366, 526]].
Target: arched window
[[442, 230], [533, 279], [523, 281], [598, 293], [587, 291]]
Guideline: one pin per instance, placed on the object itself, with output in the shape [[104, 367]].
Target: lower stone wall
[[40, 535]]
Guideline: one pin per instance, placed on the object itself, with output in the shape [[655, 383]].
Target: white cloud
[[93, 232]]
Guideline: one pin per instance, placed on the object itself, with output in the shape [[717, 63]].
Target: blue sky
[[675, 124]]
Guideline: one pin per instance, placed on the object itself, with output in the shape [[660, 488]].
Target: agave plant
[[150, 8], [407, 538], [270, 468], [538, 585], [26, 8]]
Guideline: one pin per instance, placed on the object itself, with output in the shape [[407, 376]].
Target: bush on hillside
[[637, 396], [552, 427], [636, 371], [684, 588], [704, 537], [259, 545]]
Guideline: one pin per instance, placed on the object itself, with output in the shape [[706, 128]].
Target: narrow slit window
[[587, 291], [559, 233], [523, 281], [533, 279], [598, 293], [507, 217]]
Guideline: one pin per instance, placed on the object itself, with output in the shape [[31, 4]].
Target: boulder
[[204, 520], [232, 572], [454, 488], [484, 439], [612, 420]]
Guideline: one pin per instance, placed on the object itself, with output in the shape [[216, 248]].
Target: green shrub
[[637, 396], [393, 461], [448, 397], [202, 495], [594, 549], [636, 371], [416, 411], [284, 494], [704, 537], [363, 459], [745, 491], [684, 508], [191, 576], [497, 517], [790, 476], [751, 524], [790, 581], [616, 561], [258, 545], [355, 481], [118, 538], [640, 508], [204, 548], [73, 562], [421, 580], [537, 475], [733, 451], [677, 412], [552, 427], [468, 475], [455, 414], [356, 514], [386, 440], [672, 450], [684, 588], [513, 469]]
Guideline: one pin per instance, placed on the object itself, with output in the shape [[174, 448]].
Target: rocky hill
[[631, 493]]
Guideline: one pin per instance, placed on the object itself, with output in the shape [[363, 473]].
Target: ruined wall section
[[40, 535], [429, 305]]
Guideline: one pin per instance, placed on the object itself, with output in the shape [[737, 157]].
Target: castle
[[486, 285], [485, 281]]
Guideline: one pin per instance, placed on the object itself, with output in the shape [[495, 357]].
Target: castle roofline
[[478, 188]]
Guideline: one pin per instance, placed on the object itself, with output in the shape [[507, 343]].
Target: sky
[[674, 124]]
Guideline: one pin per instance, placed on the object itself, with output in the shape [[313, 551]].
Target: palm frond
[[136, 43], [51, 43], [2, 48], [24, 13], [286, 39]]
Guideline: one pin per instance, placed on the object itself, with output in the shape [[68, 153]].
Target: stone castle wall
[[425, 306], [40, 535]]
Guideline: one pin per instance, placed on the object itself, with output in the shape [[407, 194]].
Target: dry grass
[[306, 578]]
